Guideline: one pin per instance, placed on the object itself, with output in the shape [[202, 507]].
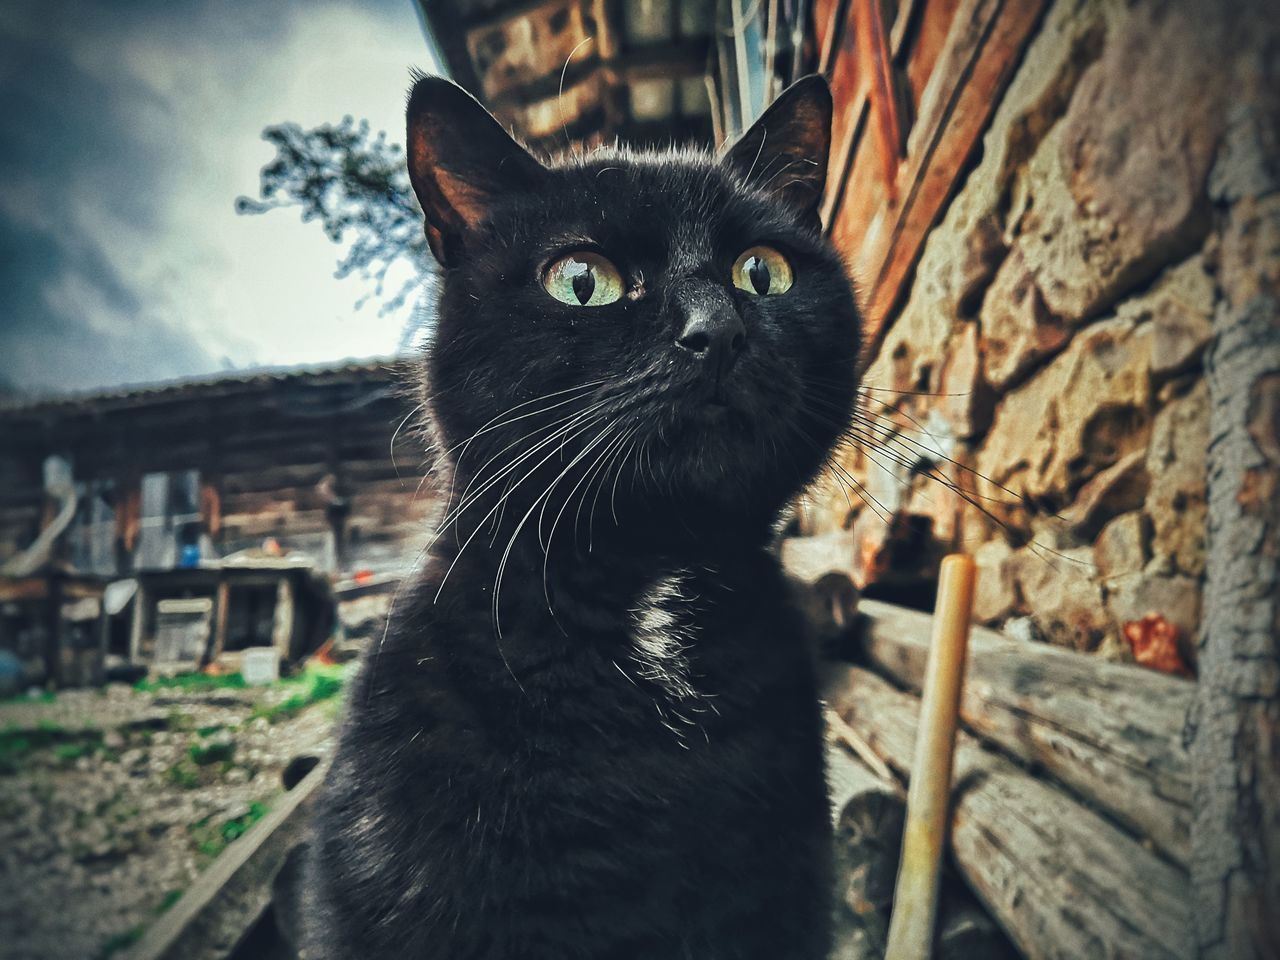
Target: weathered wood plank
[[229, 897], [972, 67], [1062, 880], [1111, 732]]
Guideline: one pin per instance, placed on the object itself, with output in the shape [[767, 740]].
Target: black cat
[[592, 729]]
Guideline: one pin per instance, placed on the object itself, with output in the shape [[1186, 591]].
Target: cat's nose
[[712, 330]]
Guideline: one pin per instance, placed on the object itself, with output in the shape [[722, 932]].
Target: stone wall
[[1040, 399]]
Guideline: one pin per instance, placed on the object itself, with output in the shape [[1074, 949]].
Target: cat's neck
[[563, 562]]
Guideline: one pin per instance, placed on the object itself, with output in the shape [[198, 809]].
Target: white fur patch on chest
[[662, 630]]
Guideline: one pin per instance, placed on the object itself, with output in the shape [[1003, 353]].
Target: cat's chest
[[701, 651], [661, 634]]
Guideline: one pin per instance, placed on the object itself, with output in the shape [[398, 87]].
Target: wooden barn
[[253, 494]]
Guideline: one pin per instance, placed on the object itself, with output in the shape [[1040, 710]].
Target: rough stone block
[[1017, 328], [1176, 463], [1181, 305], [1120, 487], [1136, 146], [1064, 597], [1121, 550], [1084, 412], [995, 596]]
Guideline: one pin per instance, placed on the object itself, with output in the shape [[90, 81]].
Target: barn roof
[[390, 370]]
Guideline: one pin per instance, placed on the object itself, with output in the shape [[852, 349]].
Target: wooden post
[[282, 625], [221, 609], [104, 642], [1234, 728], [928, 798], [137, 624], [53, 631]]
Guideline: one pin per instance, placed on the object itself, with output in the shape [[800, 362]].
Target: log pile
[[1108, 731], [1070, 791]]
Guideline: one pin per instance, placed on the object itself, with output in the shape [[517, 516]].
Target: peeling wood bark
[[1111, 732], [1234, 734], [983, 46], [1062, 880]]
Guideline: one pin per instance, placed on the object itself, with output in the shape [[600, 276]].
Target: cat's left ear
[[785, 151], [460, 162]]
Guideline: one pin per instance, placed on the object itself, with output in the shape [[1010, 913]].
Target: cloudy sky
[[127, 130]]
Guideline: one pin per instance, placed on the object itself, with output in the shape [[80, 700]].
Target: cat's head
[[668, 327]]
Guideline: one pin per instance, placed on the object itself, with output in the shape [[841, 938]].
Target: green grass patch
[[17, 744], [203, 754], [44, 696], [192, 682], [71, 752], [14, 748], [319, 683], [235, 829], [170, 898], [210, 839], [121, 941], [183, 775]]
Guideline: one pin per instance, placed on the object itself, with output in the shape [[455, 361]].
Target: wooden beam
[[99, 676], [1063, 880], [1111, 732], [229, 898], [27, 589]]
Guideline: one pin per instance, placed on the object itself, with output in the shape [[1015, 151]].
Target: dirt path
[[112, 801]]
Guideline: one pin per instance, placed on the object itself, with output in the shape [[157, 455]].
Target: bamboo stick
[[916, 896]]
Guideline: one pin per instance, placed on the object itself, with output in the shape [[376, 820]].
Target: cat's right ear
[[460, 162]]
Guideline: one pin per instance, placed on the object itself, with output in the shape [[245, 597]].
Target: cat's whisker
[[859, 488], [526, 437], [591, 514], [391, 447], [546, 544], [533, 470], [507, 472], [498, 422], [872, 444], [468, 498], [546, 547], [883, 431], [922, 451], [622, 461], [577, 519], [493, 424], [506, 554], [564, 123]]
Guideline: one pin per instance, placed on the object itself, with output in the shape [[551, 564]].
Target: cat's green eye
[[762, 271], [584, 279]]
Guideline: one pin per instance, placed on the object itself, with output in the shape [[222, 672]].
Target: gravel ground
[[118, 799]]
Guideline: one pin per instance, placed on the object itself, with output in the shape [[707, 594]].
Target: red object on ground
[[1154, 641]]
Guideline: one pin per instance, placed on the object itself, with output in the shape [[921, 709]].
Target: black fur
[[519, 776]]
